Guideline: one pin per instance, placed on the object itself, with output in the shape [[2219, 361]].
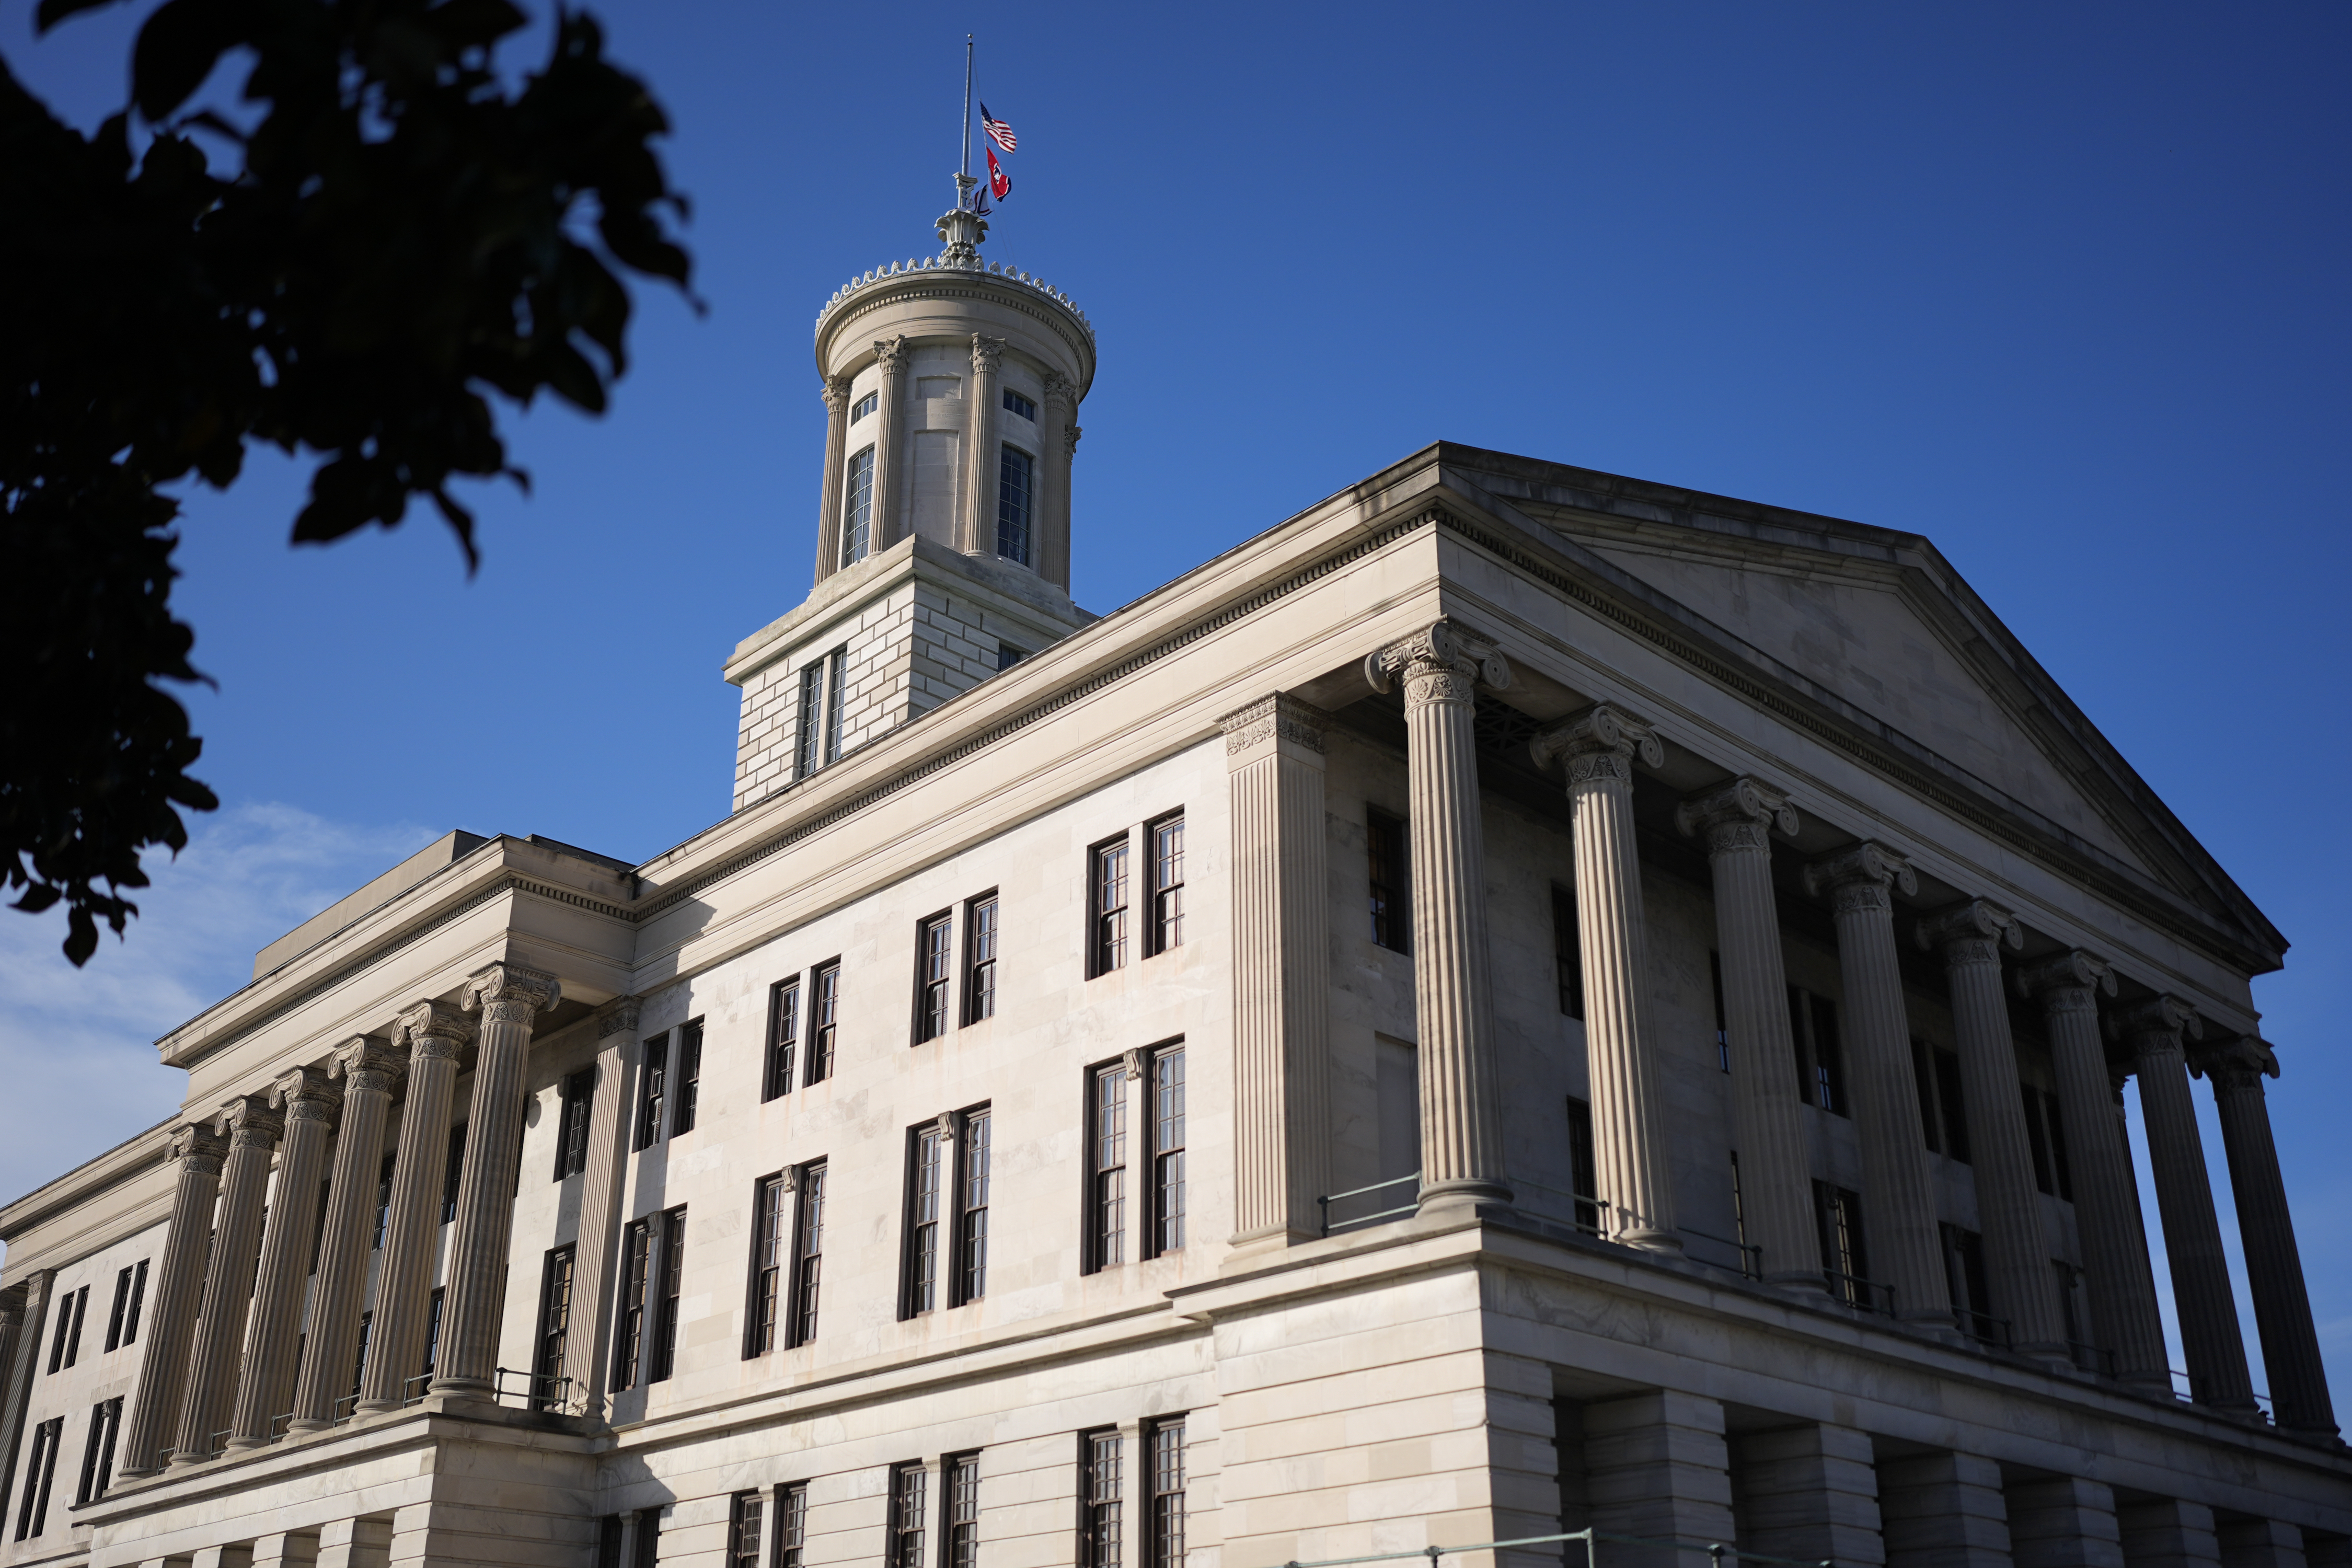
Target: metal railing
[[414, 1389], [1984, 1328], [1869, 1295], [1324, 1203], [2094, 1359], [1751, 1259], [539, 1391], [1716, 1552]]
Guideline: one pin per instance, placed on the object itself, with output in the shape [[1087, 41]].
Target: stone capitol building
[[1651, 995]]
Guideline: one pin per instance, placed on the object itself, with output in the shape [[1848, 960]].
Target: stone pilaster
[[1943, 1510], [1060, 439], [1809, 1492], [835, 392], [252, 1128], [2009, 1204], [199, 1152], [600, 1196], [1898, 1210], [1656, 1466], [1776, 1192], [2124, 1318], [889, 421], [976, 517], [1453, 999], [1630, 1151], [2291, 1358], [1282, 970], [2259, 1543], [2184, 1196], [2063, 1521], [432, 1034], [510, 999], [32, 1314], [2168, 1532], [368, 1067], [265, 1388]]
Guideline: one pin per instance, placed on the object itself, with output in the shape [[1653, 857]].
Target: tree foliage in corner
[[403, 241]]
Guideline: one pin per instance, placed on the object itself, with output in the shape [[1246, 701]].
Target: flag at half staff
[[1000, 183], [998, 131]]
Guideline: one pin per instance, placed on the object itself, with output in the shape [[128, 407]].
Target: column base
[[2153, 1384], [243, 1444], [1665, 1241], [462, 1387], [374, 1407], [301, 1424], [1258, 1243], [1805, 1279], [1458, 1194], [182, 1459]]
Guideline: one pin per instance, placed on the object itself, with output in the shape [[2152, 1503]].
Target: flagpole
[[966, 174]]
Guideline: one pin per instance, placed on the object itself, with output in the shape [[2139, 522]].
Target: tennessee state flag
[[1000, 183]]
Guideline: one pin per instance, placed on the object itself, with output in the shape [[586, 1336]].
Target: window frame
[[98, 1452], [671, 1267], [1159, 1153], [1388, 879], [808, 724], [783, 1051], [1163, 931], [633, 1297], [863, 407], [1016, 504], [857, 506], [576, 1101], [1821, 1068], [685, 1078], [1100, 1505], [768, 1292], [792, 1524], [1163, 1439], [453, 1173], [1568, 951], [935, 949], [747, 1516], [40, 1472], [823, 1030], [808, 1253], [908, 1523], [984, 916], [138, 1300], [1105, 1193], [1109, 936], [558, 1272], [1019, 403], [836, 684], [1582, 1166], [653, 1091], [959, 1509], [957, 1227]]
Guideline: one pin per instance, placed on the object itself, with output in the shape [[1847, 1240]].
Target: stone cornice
[[876, 291]]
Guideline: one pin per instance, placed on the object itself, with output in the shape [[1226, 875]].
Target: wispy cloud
[[78, 1044]]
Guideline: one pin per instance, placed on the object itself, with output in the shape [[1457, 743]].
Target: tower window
[[1019, 405], [858, 505], [862, 407], [1015, 485], [1385, 854]]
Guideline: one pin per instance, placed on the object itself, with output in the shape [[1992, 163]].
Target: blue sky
[[2061, 287]]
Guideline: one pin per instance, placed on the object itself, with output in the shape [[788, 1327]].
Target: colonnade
[[230, 1351], [1441, 670]]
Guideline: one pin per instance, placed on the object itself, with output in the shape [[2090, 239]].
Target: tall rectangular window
[[554, 1328], [836, 675], [1813, 1035], [1099, 1485], [934, 965], [2036, 1139], [2054, 1123], [648, 1553], [1166, 1085], [637, 1288], [577, 1099], [825, 1020], [1016, 486], [770, 1229], [66, 1347], [980, 959], [452, 1174], [359, 1360], [745, 1531], [138, 1298], [791, 1525], [858, 508], [808, 733], [971, 1237], [97, 1453], [670, 1273], [929, 1159], [959, 1478], [1386, 859], [904, 1546], [863, 407], [1567, 954], [686, 1093], [653, 1091], [432, 1333], [40, 1469], [114, 1312], [1167, 884], [1722, 1021], [1581, 1166], [1838, 1211], [1107, 903], [1952, 1100], [1107, 1167], [1016, 404], [783, 1038], [1166, 1438], [808, 1252]]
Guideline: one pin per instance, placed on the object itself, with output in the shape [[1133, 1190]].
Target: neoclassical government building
[[1516, 1001]]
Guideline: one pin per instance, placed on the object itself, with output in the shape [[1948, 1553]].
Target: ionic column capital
[[1974, 932], [199, 1148], [2068, 983], [892, 354], [2235, 1066], [1598, 744], [305, 1095], [1070, 434], [835, 392], [1280, 717], [986, 352], [2156, 1024], [432, 1031], [1860, 878], [1440, 663], [504, 993], [622, 1017], [366, 1063], [248, 1122], [1737, 817]]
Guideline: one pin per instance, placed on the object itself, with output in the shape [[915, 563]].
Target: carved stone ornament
[[1070, 434], [1738, 817], [1279, 716], [305, 1095], [789, 1179], [1138, 1063], [507, 993], [200, 1149], [367, 1064], [945, 1126], [2156, 1019], [1974, 932], [1441, 663], [621, 1018], [1858, 878], [892, 353], [2236, 1066], [835, 392], [432, 1029], [985, 354], [1059, 389], [1598, 744], [248, 1122], [2067, 983]]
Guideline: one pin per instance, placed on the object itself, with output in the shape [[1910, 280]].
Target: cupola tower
[[951, 386]]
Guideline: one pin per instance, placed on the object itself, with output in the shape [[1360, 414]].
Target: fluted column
[[32, 1310], [432, 1033], [1282, 970], [889, 419], [2298, 1377], [1060, 439], [2009, 1203], [976, 521], [171, 1303], [265, 1388], [1454, 998], [1629, 1150], [2210, 1336], [599, 1196], [1899, 1206], [251, 1128], [1775, 1195], [508, 999], [2124, 1315], [835, 392], [368, 1067]]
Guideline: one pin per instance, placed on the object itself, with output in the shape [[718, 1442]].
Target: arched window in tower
[[857, 509], [1015, 485]]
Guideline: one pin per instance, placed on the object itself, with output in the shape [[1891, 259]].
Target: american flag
[[998, 131]]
